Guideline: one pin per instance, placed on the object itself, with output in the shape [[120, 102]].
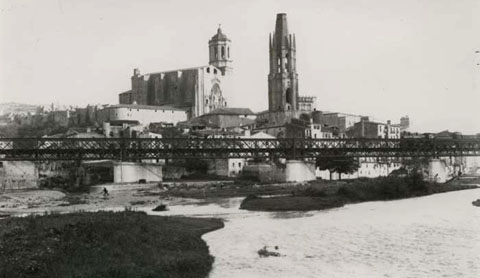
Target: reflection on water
[[433, 236]]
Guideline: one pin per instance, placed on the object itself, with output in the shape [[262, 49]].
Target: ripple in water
[[433, 236]]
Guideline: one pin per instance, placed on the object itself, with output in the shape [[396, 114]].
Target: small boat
[[476, 203], [265, 253]]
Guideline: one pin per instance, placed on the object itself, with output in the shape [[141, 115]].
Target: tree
[[339, 164]]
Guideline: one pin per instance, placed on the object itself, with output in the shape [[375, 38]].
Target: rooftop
[[141, 106], [231, 111], [219, 36]]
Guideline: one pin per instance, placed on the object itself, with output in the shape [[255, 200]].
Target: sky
[[383, 58]]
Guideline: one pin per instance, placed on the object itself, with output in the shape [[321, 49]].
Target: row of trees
[[348, 165]]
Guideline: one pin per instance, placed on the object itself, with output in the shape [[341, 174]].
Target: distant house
[[218, 121], [144, 114], [294, 129], [369, 129]]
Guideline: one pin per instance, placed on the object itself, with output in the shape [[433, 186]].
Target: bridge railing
[[153, 148]]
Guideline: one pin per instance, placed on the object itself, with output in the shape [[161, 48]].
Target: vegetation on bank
[[236, 188], [105, 244], [320, 196]]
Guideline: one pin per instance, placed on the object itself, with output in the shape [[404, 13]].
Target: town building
[[307, 103], [342, 121], [197, 90], [369, 129], [144, 114], [318, 131], [404, 124], [226, 118], [369, 168], [293, 129]]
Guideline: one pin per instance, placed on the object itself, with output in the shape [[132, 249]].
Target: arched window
[[223, 51], [228, 52], [288, 96], [216, 53]]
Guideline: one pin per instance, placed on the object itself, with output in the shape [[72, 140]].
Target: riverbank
[[105, 244], [320, 195], [237, 188]]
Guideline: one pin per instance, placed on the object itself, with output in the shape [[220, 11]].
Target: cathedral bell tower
[[283, 77], [219, 52]]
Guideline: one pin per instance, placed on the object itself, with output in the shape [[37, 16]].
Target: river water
[[433, 236]]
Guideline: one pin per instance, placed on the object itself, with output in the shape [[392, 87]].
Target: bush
[[105, 244], [384, 188]]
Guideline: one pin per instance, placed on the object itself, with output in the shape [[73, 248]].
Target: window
[[223, 52], [215, 71], [239, 164], [228, 52], [208, 70]]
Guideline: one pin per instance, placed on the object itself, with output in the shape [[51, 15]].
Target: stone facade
[[284, 101], [342, 121], [283, 77], [144, 114], [18, 175], [197, 90], [368, 129]]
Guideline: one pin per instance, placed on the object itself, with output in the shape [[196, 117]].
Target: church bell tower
[[219, 52], [283, 77]]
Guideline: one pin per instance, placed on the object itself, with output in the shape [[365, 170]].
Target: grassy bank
[[321, 195], [239, 188], [291, 203], [105, 244]]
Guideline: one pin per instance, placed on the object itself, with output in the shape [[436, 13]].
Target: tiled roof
[[231, 111]]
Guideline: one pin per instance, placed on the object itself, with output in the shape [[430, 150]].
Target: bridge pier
[[299, 171], [437, 171], [134, 171]]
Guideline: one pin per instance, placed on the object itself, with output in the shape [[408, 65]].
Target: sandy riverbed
[[120, 197]]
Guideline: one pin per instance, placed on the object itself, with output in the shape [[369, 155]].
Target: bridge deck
[[134, 149]]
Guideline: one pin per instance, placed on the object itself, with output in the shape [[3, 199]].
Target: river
[[432, 236]]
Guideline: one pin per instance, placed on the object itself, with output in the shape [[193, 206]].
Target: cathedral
[[197, 90]]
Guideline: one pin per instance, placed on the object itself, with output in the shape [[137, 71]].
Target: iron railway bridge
[[129, 149]]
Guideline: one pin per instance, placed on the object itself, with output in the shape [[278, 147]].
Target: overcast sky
[[384, 58]]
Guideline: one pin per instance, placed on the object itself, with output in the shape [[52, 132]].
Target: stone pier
[[299, 171], [135, 171], [437, 171]]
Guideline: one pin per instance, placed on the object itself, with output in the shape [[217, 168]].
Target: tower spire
[[283, 78]]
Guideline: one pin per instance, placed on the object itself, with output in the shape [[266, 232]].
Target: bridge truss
[[129, 149]]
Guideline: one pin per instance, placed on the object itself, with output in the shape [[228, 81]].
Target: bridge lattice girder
[[141, 148]]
